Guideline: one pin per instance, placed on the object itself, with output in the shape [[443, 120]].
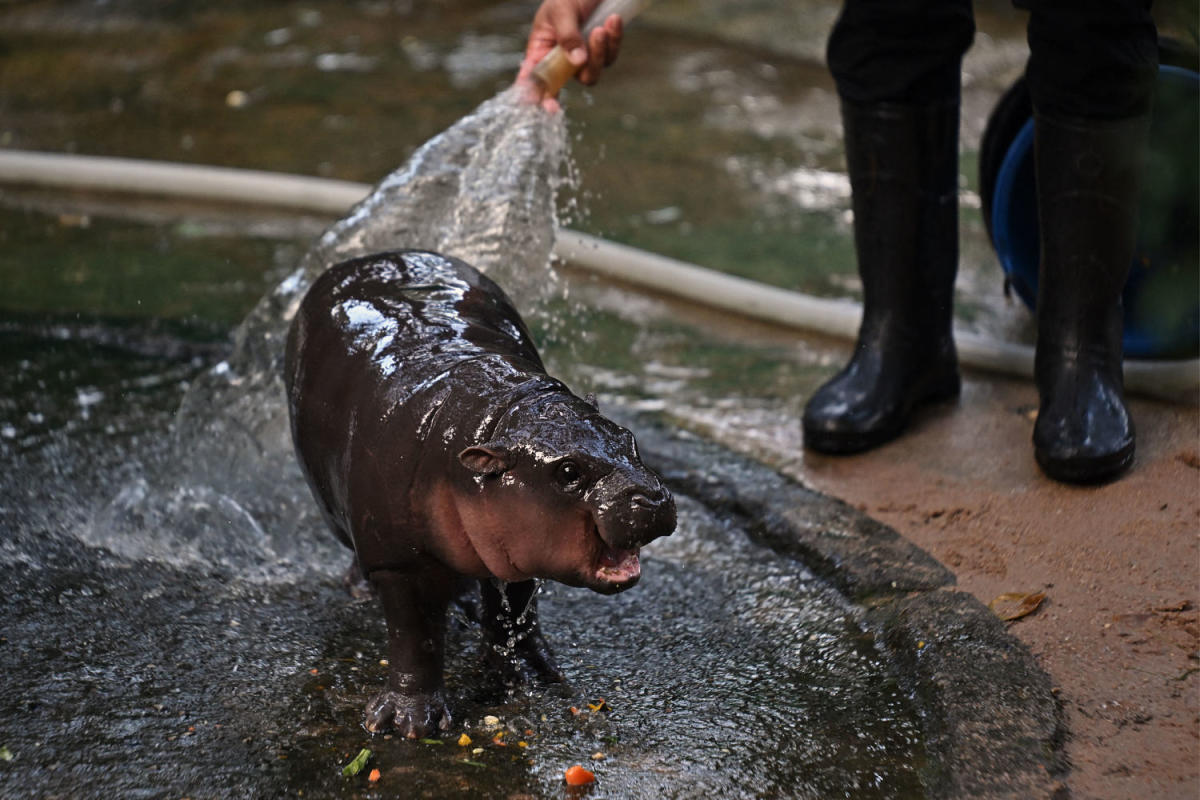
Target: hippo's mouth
[[615, 568], [619, 566]]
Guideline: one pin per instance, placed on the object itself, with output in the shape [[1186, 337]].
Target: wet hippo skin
[[438, 448]]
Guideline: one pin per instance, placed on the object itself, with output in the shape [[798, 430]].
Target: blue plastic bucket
[[1162, 296]]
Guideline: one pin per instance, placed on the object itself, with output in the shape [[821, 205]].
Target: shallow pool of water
[[155, 642]]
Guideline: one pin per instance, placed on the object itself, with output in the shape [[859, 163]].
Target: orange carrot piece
[[578, 776]]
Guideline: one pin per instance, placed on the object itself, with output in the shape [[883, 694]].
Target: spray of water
[[485, 191]]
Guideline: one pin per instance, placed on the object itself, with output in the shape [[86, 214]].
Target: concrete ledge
[[991, 722], [988, 709]]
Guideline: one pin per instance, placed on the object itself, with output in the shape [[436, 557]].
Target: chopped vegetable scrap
[[5, 754], [356, 766], [374, 776], [594, 708], [578, 776], [464, 740]]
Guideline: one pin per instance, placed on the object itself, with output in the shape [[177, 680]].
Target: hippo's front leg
[[514, 646], [414, 703]]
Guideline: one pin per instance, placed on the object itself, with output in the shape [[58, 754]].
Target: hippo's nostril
[[641, 500]]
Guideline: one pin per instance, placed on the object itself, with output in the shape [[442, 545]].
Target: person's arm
[[557, 22]]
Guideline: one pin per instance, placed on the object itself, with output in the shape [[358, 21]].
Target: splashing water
[[484, 191]]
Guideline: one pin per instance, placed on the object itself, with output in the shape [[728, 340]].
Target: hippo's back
[[410, 311], [380, 344]]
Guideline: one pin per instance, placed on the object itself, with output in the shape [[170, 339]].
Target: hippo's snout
[[638, 515], [653, 514], [647, 501]]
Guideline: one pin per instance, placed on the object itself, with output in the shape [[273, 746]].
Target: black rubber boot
[[1088, 176], [903, 165]]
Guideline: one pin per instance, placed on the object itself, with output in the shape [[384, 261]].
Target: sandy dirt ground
[[1119, 630]]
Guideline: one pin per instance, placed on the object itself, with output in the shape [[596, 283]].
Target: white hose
[[192, 181], [1175, 380]]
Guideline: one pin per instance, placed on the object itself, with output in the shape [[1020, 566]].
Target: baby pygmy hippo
[[438, 448]]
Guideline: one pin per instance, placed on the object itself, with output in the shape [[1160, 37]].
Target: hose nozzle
[[555, 69]]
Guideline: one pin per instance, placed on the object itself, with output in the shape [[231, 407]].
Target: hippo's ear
[[590, 399], [492, 458]]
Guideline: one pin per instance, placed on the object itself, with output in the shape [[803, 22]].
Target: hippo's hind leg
[[355, 583], [414, 703], [353, 580], [514, 647]]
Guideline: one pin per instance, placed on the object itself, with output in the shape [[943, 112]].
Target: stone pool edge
[[992, 724]]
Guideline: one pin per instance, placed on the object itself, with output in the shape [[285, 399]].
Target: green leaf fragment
[[431, 741], [5, 754], [473, 763], [356, 766]]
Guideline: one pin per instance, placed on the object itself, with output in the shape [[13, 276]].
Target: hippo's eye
[[568, 474]]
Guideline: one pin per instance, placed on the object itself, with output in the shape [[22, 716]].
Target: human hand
[[557, 23]]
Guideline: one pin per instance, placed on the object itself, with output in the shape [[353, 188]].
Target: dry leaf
[[1014, 605]]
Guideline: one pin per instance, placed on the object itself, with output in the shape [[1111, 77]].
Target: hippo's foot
[[528, 662], [415, 716], [356, 585]]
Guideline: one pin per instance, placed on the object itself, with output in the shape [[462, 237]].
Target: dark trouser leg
[[899, 84], [1091, 74]]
